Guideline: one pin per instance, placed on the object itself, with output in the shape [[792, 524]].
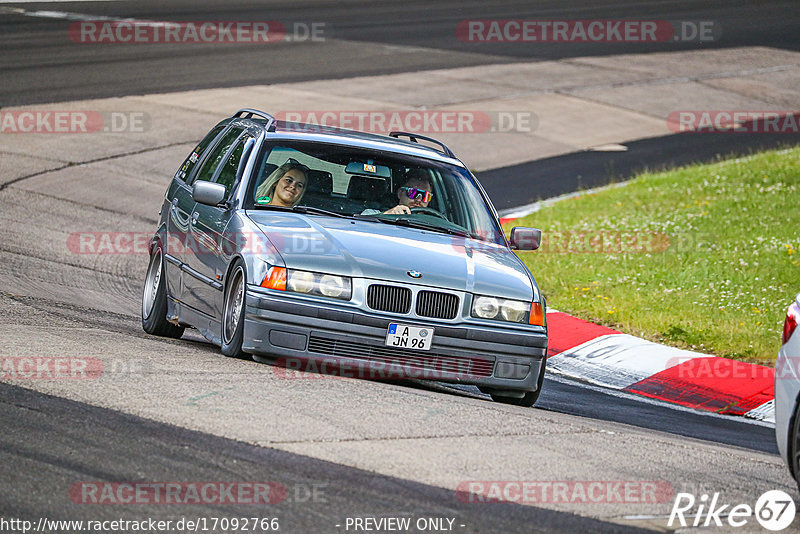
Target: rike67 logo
[[774, 510]]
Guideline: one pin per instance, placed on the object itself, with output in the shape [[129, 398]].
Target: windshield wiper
[[399, 221], [403, 221], [318, 211], [302, 209]]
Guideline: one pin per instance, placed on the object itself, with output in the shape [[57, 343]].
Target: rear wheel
[[233, 312], [154, 299], [794, 446]]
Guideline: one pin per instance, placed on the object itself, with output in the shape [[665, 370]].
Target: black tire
[[233, 304], [794, 446], [530, 397], [154, 299]]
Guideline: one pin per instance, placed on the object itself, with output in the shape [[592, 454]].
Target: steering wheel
[[428, 211]]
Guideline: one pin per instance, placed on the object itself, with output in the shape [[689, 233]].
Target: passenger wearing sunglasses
[[415, 193], [285, 186]]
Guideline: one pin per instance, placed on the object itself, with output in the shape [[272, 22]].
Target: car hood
[[381, 251]]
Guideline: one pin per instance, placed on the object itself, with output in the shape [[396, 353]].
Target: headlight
[[334, 286], [485, 307], [327, 285], [301, 281], [513, 311]]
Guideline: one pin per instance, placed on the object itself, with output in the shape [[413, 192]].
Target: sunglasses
[[294, 164], [417, 194]]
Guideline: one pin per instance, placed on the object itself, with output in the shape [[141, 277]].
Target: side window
[[213, 160], [194, 157], [229, 170]]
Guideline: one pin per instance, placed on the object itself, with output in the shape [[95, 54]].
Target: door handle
[[195, 215]]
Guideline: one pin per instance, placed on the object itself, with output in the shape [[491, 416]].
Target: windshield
[[369, 184]]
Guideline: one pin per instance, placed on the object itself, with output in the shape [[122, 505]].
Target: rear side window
[[228, 173], [217, 155], [197, 153]]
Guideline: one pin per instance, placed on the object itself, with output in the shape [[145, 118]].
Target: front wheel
[[154, 299], [529, 398], [233, 312]]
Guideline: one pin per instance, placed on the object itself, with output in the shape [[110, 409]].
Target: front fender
[[246, 241]]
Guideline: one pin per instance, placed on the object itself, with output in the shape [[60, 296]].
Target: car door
[[215, 222], [180, 210], [203, 263]]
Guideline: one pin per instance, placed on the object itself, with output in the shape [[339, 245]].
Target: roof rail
[[248, 113], [413, 137]]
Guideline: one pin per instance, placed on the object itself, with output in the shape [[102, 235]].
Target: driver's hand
[[399, 209]]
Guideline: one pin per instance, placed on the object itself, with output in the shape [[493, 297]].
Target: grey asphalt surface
[[87, 444], [382, 449], [565, 395], [518, 185], [41, 64]]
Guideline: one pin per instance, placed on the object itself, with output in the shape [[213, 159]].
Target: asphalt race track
[[40, 64], [178, 411], [508, 186]]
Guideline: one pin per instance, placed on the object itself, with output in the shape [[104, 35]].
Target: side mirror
[[523, 238], [208, 193]]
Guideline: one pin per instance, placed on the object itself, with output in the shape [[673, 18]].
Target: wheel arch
[[790, 435], [159, 237]]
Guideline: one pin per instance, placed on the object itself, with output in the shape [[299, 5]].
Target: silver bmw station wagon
[[322, 249]]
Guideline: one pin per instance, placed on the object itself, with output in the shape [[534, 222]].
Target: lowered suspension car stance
[[366, 255]]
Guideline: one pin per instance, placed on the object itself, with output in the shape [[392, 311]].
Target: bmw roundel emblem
[[414, 274]]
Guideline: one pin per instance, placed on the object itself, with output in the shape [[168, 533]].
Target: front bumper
[[311, 336]]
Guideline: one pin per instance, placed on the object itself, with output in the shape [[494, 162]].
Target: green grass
[[705, 257]]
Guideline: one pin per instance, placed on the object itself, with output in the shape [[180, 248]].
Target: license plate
[[409, 337]]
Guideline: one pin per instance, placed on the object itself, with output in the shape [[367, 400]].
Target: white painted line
[[533, 207], [54, 1], [619, 360], [527, 209], [765, 412], [611, 147], [66, 15]]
